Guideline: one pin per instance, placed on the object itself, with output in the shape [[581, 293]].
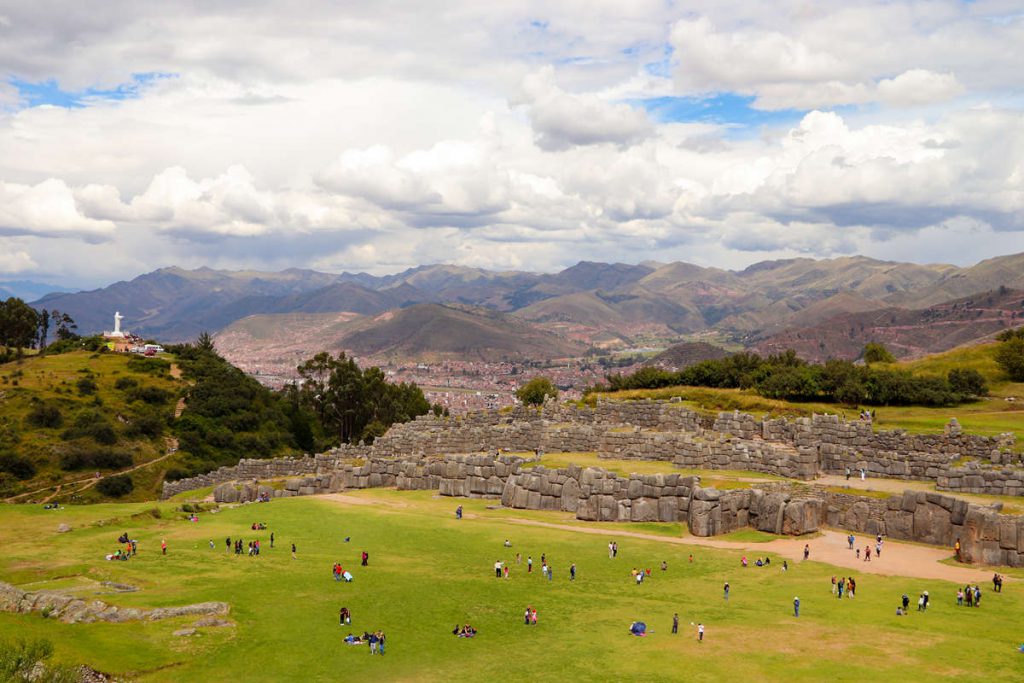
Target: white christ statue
[[117, 323]]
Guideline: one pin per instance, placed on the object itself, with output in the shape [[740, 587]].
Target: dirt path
[[87, 482], [898, 559], [872, 483]]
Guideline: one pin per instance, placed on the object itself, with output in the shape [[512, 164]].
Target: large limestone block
[[644, 510], [802, 517], [226, 493], [703, 518], [570, 495], [931, 524], [668, 509]]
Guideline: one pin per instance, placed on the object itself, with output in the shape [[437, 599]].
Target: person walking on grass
[[572, 572], [700, 632], [293, 552], [725, 590], [529, 565], [271, 539], [609, 550], [675, 623], [796, 607], [163, 546], [497, 569], [807, 550]]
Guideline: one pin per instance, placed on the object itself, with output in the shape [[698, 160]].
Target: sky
[[520, 135]]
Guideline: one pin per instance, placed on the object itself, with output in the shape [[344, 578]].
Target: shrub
[[86, 386], [85, 456], [126, 383], [92, 424], [151, 395], [1010, 356], [45, 415], [149, 425], [17, 465], [967, 382], [115, 486]]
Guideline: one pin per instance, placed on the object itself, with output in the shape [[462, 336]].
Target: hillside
[[686, 354], [432, 331], [78, 413], [904, 332]]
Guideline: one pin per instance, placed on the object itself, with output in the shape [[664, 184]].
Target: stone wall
[[665, 430]]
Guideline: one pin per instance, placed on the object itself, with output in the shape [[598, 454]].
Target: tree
[[19, 324], [876, 353], [968, 382], [1010, 357], [205, 342], [534, 392], [44, 327], [115, 486], [65, 325]]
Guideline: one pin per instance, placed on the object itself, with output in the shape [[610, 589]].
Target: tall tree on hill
[[1010, 356], [18, 324], [205, 342], [65, 325], [876, 353]]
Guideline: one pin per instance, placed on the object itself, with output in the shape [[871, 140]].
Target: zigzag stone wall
[[665, 430]]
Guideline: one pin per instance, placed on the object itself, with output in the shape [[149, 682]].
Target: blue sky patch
[[722, 109], [49, 92]]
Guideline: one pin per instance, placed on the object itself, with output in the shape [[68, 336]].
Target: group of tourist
[[847, 585], [253, 546], [464, 631], [375, 640], [339, 573], [969, 596], [530, 616], [613, 549]]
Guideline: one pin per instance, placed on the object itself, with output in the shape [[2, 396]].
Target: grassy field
[[429, 572]]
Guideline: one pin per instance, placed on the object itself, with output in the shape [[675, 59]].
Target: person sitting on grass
[[353, 640]]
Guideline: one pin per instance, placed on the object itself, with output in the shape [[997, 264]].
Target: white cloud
[[15, 260], [47, 209], [562, 120], [919, 86]]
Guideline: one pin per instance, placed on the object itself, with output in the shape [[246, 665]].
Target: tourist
[[497, 569], [956, 548], [271, 539], [526, 616], [725, 591], [785, 565], [675, 623], [959, 597], [615, 548], [969, 596], [550, 572], [380, 642], [211, 544], [847, 473], [163, 546], [858, 553], [543, 558], [863, 474], [533, 617], [572, 571], [867, 553], [639, 578], [743, 561], [519, 558], [610, 552], [227, 544], [997, 583], [458, 512], [373, 643], [850, 540], [977, 596], [366, 558], [691, 558], [664, 565], [927, 598], [504, 569], [839, 588], [807, 551], [920, 603], [796, 607], [508, 543], [833, 584], [293, 552], [344, 616], [851, 587], [878, 549], [700, 632], [906, 602], [529, 565]]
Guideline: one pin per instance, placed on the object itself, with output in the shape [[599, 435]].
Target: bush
[[148, 366], [115, 486], [46, 416], [150, 425], [126, 383], [877, 353], [19, 466], [534, 392], [92, 424], [84, 456], [152, 395], [967, 382], [86, 386]]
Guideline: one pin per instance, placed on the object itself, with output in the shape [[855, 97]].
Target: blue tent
[[638, 628]]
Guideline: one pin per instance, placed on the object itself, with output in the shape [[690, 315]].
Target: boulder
[[802, 517], [931, 524], [644, 510], [570, 495], [184, 632], [63, 528]]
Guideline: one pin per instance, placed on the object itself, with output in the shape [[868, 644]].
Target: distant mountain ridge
[[604, 304]]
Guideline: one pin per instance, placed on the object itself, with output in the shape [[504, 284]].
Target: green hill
[[65, 417]]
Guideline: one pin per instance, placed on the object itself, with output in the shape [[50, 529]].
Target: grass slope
[[52, 380], [429, 572]]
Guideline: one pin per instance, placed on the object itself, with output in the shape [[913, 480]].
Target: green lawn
[[429, 572]]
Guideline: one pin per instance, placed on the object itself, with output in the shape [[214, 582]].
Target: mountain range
[[589, 304]]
